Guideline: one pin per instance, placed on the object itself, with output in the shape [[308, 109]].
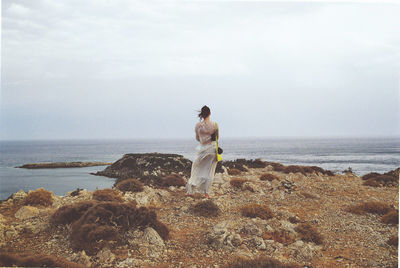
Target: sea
[[363, 155]]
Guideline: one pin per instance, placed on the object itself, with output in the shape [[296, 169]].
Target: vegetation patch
[[374, 179], [393, 241], [108, 195], [241, 164], [255, 210], [70, 213], [237, 182], [308, 195], [130, 185], [97, 224], [35, 260], [205, 208], [392, 217], [259, 262], [173, 180], [305, 170], [39, 197], [309, 233], [370, 207], [281, 236], [268, 177], [234, 171]]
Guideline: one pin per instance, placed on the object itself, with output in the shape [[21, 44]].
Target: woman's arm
[[197, 134]]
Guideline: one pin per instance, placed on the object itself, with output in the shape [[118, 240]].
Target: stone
[[81, 257], [236, 240], [258, 242], [151, 236], [251, 229], [248, 186], [18, 196], [105, 255], [27, 212]]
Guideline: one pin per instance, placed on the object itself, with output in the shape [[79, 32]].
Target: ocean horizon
[[362, 154]]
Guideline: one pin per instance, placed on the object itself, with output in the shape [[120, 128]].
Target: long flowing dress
[[203, 167]]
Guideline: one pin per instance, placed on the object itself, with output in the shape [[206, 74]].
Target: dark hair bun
[[205, 112]]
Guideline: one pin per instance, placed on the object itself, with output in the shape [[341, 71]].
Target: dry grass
[[237, 182], [308, 195], [205, 208], [281, 236], [130, 185], [259, 262], [305, 170], [392, 217], [268, 177], [108, 195], [370, 207], [309, 233], [173, 180], [234, 171], [35, 260], [393, 241], [39, 197], [255, 210]]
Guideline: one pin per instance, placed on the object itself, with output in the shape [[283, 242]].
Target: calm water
[[362, 155]]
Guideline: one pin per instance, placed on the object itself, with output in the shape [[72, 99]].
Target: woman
[[203, 167]]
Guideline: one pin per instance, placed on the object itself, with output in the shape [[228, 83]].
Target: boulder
[[27, 212]]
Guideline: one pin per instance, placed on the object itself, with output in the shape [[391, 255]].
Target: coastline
[[293, 197]]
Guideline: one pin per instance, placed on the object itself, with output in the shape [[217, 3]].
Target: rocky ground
[[349, 240]]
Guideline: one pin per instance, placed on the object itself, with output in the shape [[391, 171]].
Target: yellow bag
[[219, 156]]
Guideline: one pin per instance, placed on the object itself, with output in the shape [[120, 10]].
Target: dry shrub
[[70, 213], [392, 217], [242, 163], [259, 262], [205, 208], [268, 177], [255, 210], [309, 233], [108, 195], [35, 260], [173, 180], [130, 185], [294, 219], [76, 192], [370, 207], [237, 182], [104, 224], [299, 169], [39, 197], [281, 236], [308, 195], [393, 241], [234, 171], [377, 180]]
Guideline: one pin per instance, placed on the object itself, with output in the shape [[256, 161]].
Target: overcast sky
[[135, 69]]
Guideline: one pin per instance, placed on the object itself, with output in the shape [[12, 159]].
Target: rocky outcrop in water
[[148, 167], [63, 165]]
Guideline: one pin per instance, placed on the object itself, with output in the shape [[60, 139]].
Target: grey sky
[[134, 69]]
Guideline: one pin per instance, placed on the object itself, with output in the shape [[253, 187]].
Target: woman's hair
[[205, 112]]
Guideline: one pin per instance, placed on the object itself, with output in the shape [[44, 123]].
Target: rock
[[81, 257], [258, 242], [129, 262], [248, 186], [27, 212], [288, 226], [18, 196], [105, 256], [251, 229], [302, 251], [236, 240], [153, 237]]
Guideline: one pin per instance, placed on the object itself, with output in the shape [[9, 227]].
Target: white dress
[[203, 167]]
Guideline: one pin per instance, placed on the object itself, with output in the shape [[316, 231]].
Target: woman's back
[[203, 130]]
